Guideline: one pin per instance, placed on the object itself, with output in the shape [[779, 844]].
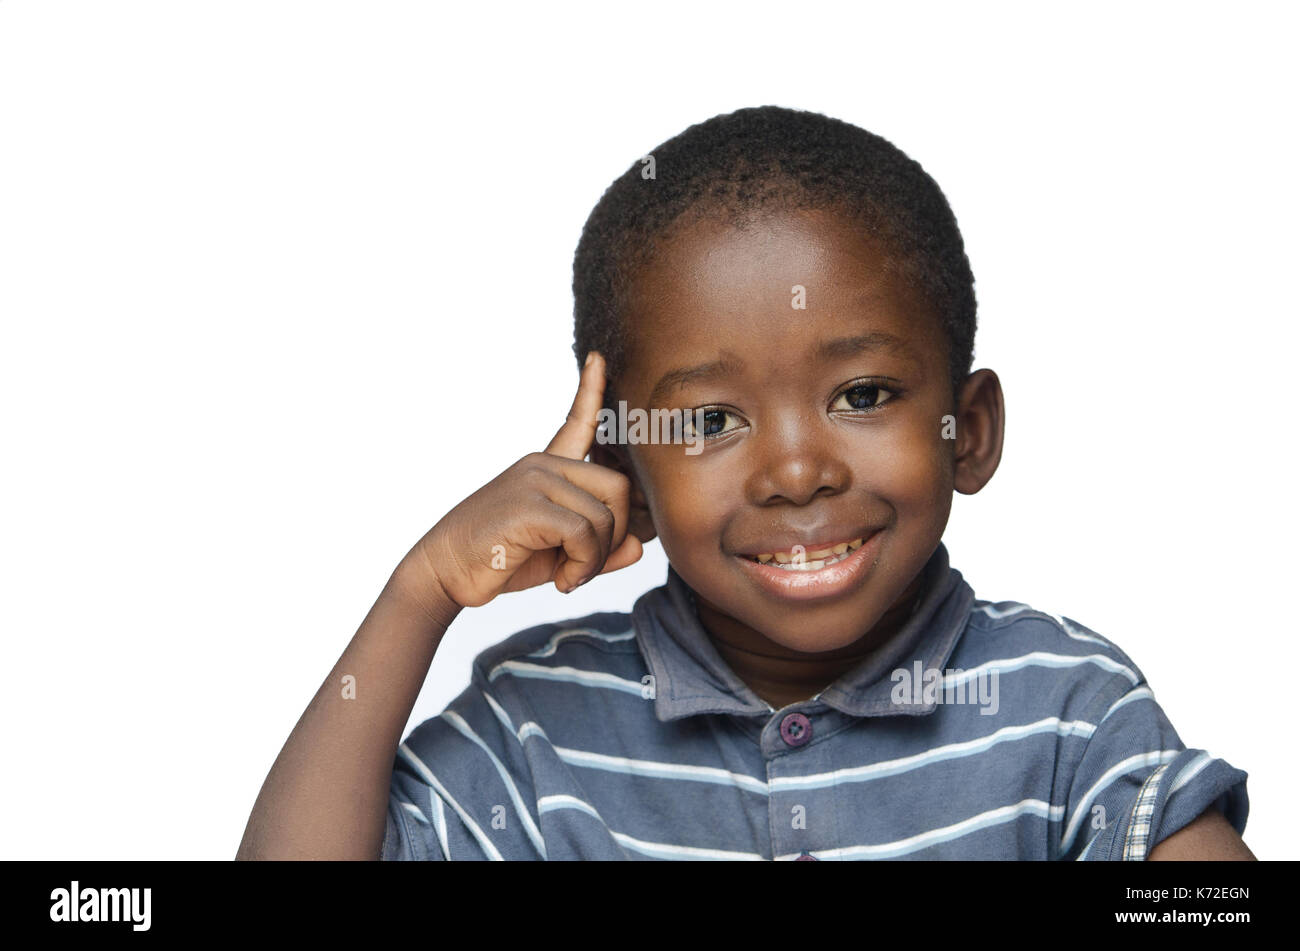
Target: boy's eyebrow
[[728, 363]]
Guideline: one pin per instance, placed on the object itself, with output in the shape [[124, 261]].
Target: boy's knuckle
[[534, 464], [586, 532]]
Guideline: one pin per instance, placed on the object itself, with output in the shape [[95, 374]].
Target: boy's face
[[829, 424]]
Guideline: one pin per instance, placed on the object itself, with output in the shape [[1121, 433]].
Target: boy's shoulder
[[554, 644], [1013, 637], [1011, 623]]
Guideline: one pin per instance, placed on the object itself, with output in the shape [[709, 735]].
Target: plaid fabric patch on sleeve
[[1139, 824]]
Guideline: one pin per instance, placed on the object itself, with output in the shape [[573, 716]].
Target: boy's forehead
[[780, 288]]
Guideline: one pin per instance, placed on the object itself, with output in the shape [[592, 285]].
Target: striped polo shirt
[[981, 730]]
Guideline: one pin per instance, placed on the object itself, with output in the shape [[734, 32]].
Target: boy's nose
[[797, 472]]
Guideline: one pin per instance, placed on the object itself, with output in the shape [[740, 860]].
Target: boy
[[813, 680]]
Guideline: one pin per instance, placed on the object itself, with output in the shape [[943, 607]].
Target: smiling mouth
[[808, 559]]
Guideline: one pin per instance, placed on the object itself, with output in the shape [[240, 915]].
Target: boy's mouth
[[802, 558], [821, 571]]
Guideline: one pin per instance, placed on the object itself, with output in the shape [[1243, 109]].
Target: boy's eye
[[714, 423], [864, 396]]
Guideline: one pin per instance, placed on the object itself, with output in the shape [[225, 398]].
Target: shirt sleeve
[[461, 789], [412, 833], [1136, 784]]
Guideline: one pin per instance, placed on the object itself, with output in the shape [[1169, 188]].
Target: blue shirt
[[979, 731]]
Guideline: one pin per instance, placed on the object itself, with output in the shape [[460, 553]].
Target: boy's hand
[[549, 517]]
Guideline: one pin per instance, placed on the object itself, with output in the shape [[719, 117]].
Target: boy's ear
[[639, 522], [980, 424]]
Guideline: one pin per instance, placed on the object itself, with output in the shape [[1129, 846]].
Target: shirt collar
[[690, 676]]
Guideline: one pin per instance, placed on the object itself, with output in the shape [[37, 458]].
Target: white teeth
[[810, 560], [809, 565]]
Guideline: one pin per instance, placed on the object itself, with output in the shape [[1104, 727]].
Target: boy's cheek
[[681, 505], [911, 468]]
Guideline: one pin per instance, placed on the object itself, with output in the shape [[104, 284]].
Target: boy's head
[[803, 283], [735, 168]]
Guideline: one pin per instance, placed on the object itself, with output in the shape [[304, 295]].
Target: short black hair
[[745, 162]]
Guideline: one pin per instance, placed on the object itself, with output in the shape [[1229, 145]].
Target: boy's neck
[[782, 676]]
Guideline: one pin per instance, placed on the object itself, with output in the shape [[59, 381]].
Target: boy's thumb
[[628, 553]]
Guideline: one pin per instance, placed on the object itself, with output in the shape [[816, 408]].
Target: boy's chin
[[810, 636]]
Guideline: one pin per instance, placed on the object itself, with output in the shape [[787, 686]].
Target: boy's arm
[[1207, 837], [326, 797], [550, 517], [1136, 791]]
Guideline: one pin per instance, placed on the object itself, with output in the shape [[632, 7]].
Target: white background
[[281, 283]]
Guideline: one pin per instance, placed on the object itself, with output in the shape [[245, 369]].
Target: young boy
[[813, 680]]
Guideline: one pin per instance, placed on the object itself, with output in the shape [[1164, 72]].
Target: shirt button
[[796, 729], [805, 857]]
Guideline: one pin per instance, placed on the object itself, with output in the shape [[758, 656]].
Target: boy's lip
[[830, 581]]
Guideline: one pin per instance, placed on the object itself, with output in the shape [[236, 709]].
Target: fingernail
[[591, 354]]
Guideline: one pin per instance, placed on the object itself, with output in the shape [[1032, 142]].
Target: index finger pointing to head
[[574, 438]]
